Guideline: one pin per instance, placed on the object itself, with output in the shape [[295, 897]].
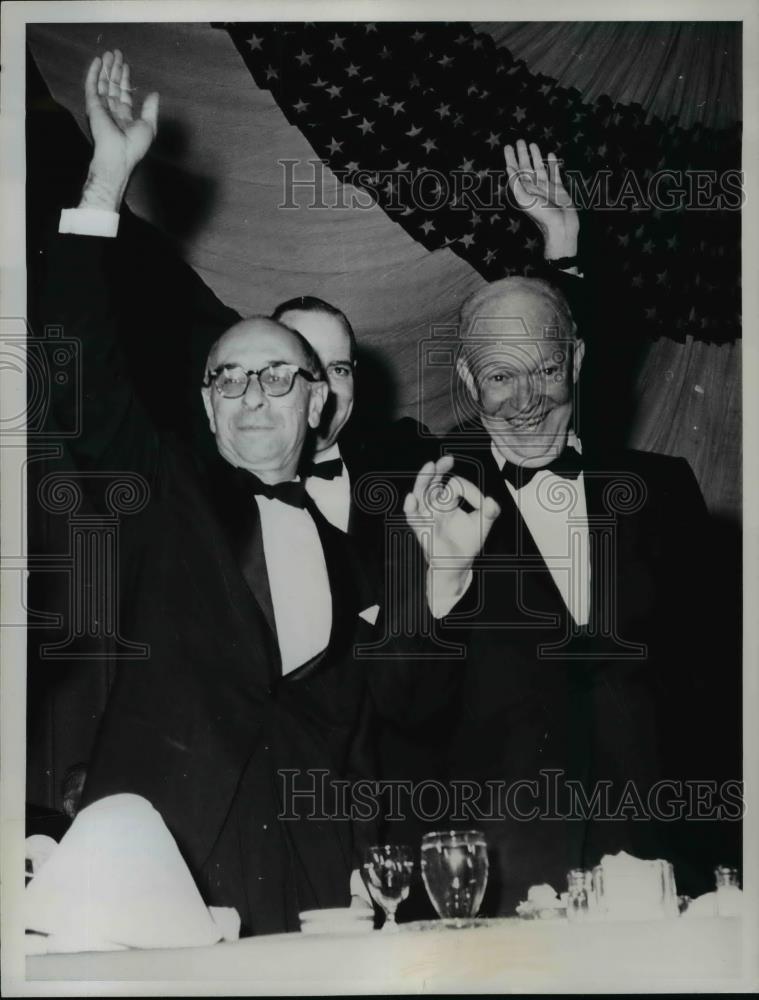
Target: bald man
[[248, 601], [582, 661]]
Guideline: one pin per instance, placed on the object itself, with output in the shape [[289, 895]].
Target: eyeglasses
[[232, 381]]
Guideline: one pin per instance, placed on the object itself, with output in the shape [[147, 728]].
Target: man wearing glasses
[[250, 602]]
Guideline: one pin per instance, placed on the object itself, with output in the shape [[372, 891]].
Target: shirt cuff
[[358, 887], [440, 597], [89, 222]]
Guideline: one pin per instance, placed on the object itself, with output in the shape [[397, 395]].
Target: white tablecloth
[[669, 955]]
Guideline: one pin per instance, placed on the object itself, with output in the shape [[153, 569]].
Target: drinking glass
[[388, 870], [455, 872]]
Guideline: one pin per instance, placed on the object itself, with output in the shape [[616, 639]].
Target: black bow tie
[[567, 464], [326, 470], [292, 493]]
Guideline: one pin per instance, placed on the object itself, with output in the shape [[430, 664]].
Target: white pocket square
[[370, 614]]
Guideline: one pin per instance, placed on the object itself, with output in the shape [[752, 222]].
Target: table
[[667, 955]]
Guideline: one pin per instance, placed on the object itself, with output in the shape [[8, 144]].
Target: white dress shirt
[[555, 512], [298, 581], [331, 496]]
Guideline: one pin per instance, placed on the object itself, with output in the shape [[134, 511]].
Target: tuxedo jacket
[[204, 725], [602, 703]]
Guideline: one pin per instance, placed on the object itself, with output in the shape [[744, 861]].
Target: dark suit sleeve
[[116, 432]]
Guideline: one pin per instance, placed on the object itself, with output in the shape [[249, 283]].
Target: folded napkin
[[117, 880]]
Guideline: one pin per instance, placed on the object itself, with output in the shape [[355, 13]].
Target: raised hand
[[539, 191], [120, 140], [450, 537]]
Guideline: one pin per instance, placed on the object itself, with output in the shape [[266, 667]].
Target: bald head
[[257, 332], [520, 361], [257, 431], [517, 307]]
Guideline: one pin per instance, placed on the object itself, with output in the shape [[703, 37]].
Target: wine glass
[[455, 872], [387, 871]]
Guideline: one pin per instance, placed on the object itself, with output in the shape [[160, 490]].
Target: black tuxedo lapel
[[252, 561]]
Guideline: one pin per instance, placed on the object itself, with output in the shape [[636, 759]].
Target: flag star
[[484, 94], [445, 61], [349, 113], [472, 88], [602, 150], [381, 99], [351, 167], [447, 240], [530, 244], [366, 126], [301, 106], [398, 107], [467, 240], [369, 28], [458, 120], [638, 280], [495, 217], [520, 114], [467, 165], [514, 226], [460, 40], [334, 146], [414, 82], [661, 279], [476, 43], [407, 210], [443, 110], [547, 133], [648, 247], [318, 82], [417, 36], [623, 239], [401, 166], [367, 79], [475, 220], [544, 90], [413, 131], [489, 256], [352, 70], [304, 58], [385, 52], [429, 145], [428, 225], [271, 72], [651, 313], [255, 42], [494, 139], [336, 42], [672, 243], [334, 90]]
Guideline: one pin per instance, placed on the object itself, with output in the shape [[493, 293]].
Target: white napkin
[[117, 880]]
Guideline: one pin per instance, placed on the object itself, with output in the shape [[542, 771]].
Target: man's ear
[[205, 392], [317, 399], [462, 368], [577, 355]]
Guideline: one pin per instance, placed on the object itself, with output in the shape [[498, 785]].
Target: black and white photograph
[[379, 536]]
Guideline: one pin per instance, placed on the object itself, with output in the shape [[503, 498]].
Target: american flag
[[416, 115]]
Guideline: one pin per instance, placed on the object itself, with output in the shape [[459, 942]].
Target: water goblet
[[455, 872], [388, 870]]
